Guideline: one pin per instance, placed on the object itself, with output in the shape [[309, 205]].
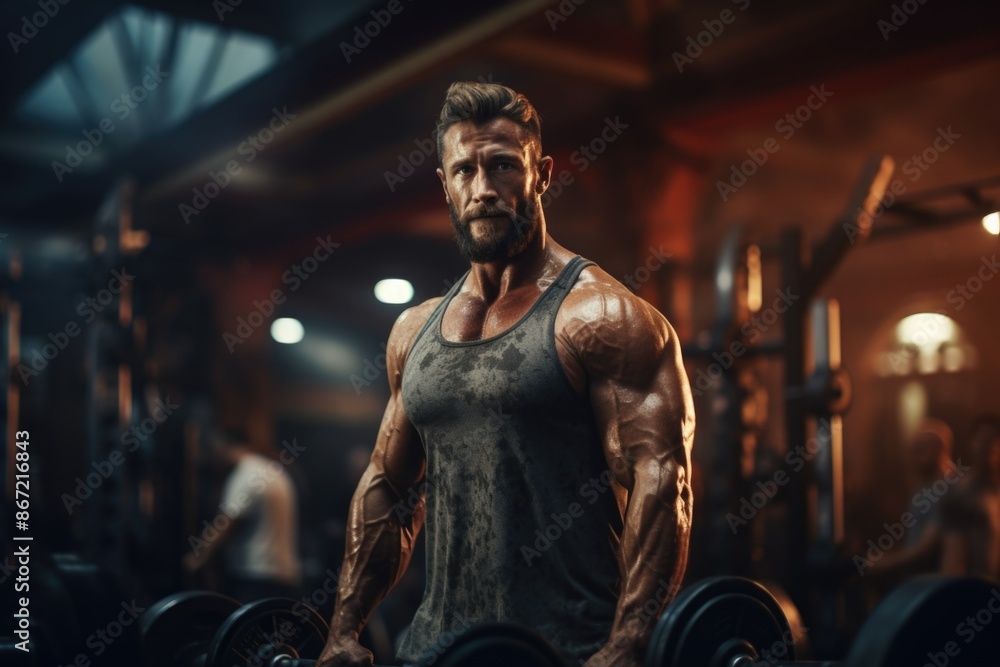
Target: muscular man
[[544, 414]]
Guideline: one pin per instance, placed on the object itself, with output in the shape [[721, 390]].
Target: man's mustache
[[495, 211]]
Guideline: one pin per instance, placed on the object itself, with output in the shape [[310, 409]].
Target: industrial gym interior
[[213, 212]]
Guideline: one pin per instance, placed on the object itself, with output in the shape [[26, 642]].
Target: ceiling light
[[992, 223], [394, 290], [287, 330]]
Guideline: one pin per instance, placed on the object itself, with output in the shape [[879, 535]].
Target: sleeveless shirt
[[518, 526]]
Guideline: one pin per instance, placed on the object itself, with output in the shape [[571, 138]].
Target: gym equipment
[[735, 622], [210, 630], [198, 629], [819, 398], [265, 630], [180, 627], [73, 612], [933, 621], [716, 622], [721, 622]]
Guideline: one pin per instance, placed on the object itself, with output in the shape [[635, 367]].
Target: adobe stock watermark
[[696, 44], [562, 522], [363, 35], [371, 371], [930, 328], [59, 340], [86, 486], [638, 621], [582, 158], [122, 106], [898, 17], [968, 630], [287, 632], [786, 127], [249, 148], [320, 595], [915, 167], [102, 639], [294, 277], [655, 260], [444, 641], [562, 12], [964, 292], [780, 649], [758, 325], [796, 459], [924, 501], [31, 25], [416, 498], [257, 482], [425, 150], [223, 7]]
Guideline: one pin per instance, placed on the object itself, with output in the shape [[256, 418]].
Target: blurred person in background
[[256, 529], [929, 462], [972, 517]]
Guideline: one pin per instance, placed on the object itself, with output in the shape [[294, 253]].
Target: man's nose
[[483, 190]]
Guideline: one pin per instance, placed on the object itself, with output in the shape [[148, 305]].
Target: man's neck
[[493, 280]]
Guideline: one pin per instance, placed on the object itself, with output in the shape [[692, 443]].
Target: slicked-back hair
[[483, 102]]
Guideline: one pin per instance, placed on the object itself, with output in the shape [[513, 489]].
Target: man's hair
[[483, 102]]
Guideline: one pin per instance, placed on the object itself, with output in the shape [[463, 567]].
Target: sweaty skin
[[617, 350]]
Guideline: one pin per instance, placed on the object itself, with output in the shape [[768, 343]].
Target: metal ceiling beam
[[50, 43], [423, 38]]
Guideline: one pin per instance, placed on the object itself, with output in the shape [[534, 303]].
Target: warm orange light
[[991, 223]]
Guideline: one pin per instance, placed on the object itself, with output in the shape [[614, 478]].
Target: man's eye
[[466, 169], [504, 166]]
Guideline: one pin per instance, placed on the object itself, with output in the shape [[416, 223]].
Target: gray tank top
[[521, 526]]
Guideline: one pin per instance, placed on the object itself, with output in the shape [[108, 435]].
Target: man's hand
[[613, 655], [345, 652]]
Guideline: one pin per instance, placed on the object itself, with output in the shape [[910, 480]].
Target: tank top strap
[[554, 296]]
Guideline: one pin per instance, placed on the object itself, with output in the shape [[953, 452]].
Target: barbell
[[928, 622], [716, 622], [199, 629]]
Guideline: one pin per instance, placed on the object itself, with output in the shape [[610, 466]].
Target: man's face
[[492, 180]]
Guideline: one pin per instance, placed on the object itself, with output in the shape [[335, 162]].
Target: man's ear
[[545, 165], [444, 184]]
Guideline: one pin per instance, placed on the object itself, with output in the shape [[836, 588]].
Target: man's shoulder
[[411, 320], [600, 300], [408, 325]]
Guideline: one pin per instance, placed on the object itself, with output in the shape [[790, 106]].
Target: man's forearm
[[380, 541], [654, 550]]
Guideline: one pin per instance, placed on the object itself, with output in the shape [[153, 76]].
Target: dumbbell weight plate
[[932, 620], [494, 645], [258, 631], [180, 627], [715, 619]]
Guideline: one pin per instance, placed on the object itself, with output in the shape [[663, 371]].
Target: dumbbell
[[199, 629], [735, 622]]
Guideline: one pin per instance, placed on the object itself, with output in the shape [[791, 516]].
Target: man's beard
[[499, 242]]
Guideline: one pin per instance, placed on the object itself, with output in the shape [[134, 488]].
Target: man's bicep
[[642, 402], [399, 454]]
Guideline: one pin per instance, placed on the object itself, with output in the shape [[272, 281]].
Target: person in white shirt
[[256, 528]]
